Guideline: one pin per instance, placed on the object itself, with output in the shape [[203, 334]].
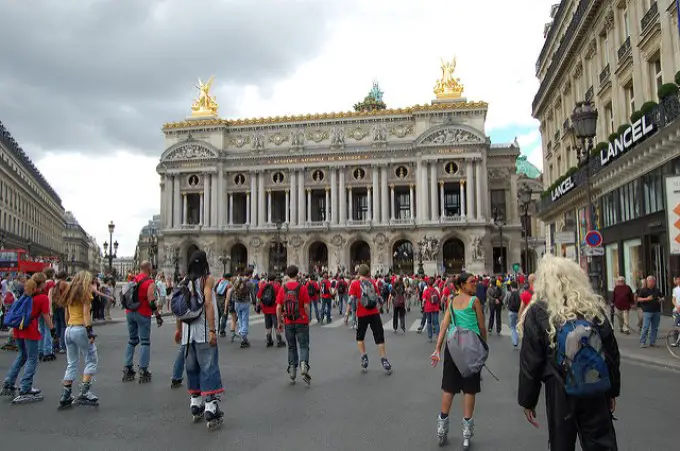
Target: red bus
[[16, 260]]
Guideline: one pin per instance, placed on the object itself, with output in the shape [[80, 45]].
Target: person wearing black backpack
[[313, 290], [398, 301], [267, 295], [514, 304], [341, 289], [566, 310]]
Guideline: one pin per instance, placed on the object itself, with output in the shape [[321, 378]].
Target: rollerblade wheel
[[466, 444], [442, 440], [214, 424]]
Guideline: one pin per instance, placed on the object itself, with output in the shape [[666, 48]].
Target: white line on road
[[414, 327]]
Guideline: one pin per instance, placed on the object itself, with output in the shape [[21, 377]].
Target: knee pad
[[133, 341], [146, 342]]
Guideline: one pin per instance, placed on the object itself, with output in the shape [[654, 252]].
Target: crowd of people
[[551, 313]]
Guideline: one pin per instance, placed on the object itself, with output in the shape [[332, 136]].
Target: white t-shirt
[[676, 298], [197, 331], [3, 288]]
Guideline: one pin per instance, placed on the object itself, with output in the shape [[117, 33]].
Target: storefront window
[[652, 191], [612, 252], [632, 258]]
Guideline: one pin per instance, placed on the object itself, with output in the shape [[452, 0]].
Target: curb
[[659, 363]]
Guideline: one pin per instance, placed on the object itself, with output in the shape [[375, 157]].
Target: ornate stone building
[[338, 189]]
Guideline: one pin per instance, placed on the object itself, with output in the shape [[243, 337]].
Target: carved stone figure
[[429, 248], [255, 242], [189, 152], [477, 249], [296, 138], [450, 136], [338, 136], [278, 139], [240, 141], [258, 141], [358, 133], [401, 130], [380, 240], [296, 241], [379, 133], [317, 135], [338, 241], [205, 104]]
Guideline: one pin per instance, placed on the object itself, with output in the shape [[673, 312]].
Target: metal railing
[[649, 17], [624, 50], [605, 74]]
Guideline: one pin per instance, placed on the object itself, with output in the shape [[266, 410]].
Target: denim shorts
[[203, 369]]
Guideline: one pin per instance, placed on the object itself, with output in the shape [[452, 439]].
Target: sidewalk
[[629, 347]]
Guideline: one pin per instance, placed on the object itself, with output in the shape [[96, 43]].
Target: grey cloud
[[104, 74]]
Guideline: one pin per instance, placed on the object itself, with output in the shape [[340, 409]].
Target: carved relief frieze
[[258, 141], [190, 152], [317, 135], [296, 138], [401, 130], [451, 136], [578, 69], [591, 49], [240, 140], [277, 139], [379, 133], [337, 137], [358, 133]]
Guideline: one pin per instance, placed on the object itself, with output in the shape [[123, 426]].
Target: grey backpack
[[468, 351]]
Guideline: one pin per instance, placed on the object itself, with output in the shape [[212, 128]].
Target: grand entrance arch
[[278, 258], [402, 257], [318, 257], [359, 254], [453, 256], [239, 258]]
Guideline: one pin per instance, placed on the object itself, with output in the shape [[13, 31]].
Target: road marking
[[333, 324], [414, 327]]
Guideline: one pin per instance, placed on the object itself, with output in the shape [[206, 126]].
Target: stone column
[[392, 205], [253, 198], [301, 197], [462, 198], [220, 199], [384, 202], [261, 218], [176, 203], [205, 207], [248, 216], [411, 201], [287, 207], [327, 216], [342, 195], [418, 184], [478, 188], [351, 206], [231, 208], [433, 191], [375, 208], [334, 196], [513, 205], [470, 197], [442, 210], [424, 211], [370, 203], [201, 210], [292, 207], [309, 205], [214, 197], [484, 200], [269, 206]]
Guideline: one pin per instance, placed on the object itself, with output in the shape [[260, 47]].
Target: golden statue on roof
[[205, 105], [448, 87]]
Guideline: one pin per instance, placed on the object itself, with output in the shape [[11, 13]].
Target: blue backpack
[[19, 314], [222, 287], [581, 359], [187, 300]]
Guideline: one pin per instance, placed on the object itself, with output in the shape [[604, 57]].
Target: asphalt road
[[343, 409]]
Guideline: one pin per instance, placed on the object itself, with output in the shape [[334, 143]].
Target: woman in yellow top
[[79, 339]]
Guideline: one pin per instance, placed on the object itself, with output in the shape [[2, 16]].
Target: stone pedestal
[[431, 268]]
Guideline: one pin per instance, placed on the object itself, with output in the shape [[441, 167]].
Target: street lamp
[[153, 248], [498, 221], [28, 247], [277, 246], [224, 259], [112, 247], [524, 197], [175, 258], [584, 120]]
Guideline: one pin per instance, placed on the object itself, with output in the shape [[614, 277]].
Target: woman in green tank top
[[467, 313]]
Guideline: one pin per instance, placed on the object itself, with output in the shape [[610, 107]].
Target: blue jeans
[[650, 320], [315, 304], [139, 333], [28, 356], [243, 313], [60, 325], [297, 335], [432, 324], [45, 344], [326, 307], [342, 299], [178, 366], [512, 319], [203, 369], [77, 343]]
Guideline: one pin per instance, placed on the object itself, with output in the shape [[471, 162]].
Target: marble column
[[220, 199], [370, 203], [248, 216], [392, 204], [287, 207], [351, 206], [309, 205], [470, 197], [462, 198], [292, 207], [334, 196], [269, 206], [231, 208], [342, 201], [301, 197], [176, 202], [205, 207], [327, 216], [214, 196], [424, 195], [513, 204], [185, 209], [441, 200], [411, 201], [375, 208], [201, 210], [384, 202], [433, 191], [261, 218], [418, 200], [253, 198], [478, 188], [484, 200]]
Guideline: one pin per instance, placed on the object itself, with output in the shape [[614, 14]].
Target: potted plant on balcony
[[677, 78], [595, 153], [612, 137], [648, 107], [636, 116]]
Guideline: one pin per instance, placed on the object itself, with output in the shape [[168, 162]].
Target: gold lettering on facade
[[287, 161]]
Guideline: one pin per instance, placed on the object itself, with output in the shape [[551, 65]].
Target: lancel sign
[[642, 128], [562, 189]]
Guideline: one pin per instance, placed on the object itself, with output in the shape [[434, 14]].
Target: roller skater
[[364, 363], [176, 383], [468, 432], [66, 399], [387, 366], [144, 376], [443, 429], [213, 414], [86, 397], [304, 371], [128, 374], [8, 390], [292, 374], [195, 308], [29, 396]]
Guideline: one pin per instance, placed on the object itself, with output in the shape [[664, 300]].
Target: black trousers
[[589, 419], [399, 317], [495, 314]]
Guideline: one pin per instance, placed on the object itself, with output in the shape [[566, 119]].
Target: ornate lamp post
[[28, 247], [498, 221], [524, 198], [224, 259], [277, 246], [153, 248], [584, 120], [112, 247], [175, 259]]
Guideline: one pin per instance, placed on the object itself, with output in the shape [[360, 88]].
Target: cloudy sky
[[86, 85]]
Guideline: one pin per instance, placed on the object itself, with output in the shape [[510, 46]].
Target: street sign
[[593, 251], [516, 267], [594, 238]]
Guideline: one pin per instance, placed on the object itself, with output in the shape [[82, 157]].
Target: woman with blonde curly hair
[[564, 304], [79, 339]]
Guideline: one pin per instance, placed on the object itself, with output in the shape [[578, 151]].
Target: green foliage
[[636, 116], [647, 107], [622, 128], [572, 170], [596, 151], [613, 137], [667, 90], [677, 78]]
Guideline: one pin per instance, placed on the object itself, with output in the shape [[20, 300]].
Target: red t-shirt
[[429, 306], [303, 298], [144, 306], [316, 290], [355, 290], [272, 309], [41, 304], [525, 297], [327, 287]]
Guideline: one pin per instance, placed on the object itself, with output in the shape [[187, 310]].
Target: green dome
[[526, 168]]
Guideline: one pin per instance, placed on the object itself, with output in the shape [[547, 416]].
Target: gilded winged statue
[[205, 104]]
